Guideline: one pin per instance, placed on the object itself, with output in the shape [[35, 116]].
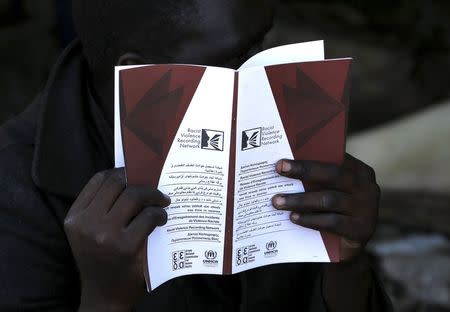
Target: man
[[69, 241]]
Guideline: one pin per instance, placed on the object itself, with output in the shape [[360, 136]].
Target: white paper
[[175, 250], [196, 179], [262, 234], [292, 53]]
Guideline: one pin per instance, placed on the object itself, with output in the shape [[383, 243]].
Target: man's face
[[212, 32], [220, 33]]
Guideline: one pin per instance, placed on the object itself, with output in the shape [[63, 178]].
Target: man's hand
[[107, 227], [342, 200]]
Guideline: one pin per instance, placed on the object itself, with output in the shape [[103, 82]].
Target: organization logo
[[178, 260], [246, 254], [271, 249], [242, 255], [210, 254], [212, 140], [182, 259], [210, 258], [271, 245], [251, 139]]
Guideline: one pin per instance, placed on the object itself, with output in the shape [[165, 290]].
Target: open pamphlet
[[209, 138]]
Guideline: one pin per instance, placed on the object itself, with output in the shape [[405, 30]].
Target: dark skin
[[342, 200], [223, 33], [109, 221], [107, 227]]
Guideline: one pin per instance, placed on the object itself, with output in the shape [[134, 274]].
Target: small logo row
[[214, 139], [182, 259]]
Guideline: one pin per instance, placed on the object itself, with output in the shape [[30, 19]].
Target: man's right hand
[[107, 227]]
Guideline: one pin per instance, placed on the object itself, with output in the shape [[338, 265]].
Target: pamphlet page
[[196, 168], [263, 235], [195, 176]]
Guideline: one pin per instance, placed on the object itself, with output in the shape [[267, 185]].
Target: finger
[[108, 193], [327, 201], [311, 187], [328, 176], [89, 192], [360, 168], [133, 200], [144, 224], [341, 225]]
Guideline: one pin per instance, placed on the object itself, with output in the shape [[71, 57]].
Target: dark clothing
[[65, 22], [47, 154]]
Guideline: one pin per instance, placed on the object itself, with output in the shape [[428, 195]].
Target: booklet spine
[[228, 244]]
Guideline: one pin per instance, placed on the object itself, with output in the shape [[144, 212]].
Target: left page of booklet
[[176, 129]]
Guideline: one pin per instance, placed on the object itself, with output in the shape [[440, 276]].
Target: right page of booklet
[[293, 111]]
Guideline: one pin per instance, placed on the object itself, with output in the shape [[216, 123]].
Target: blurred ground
[[400, 115], [412, 246]]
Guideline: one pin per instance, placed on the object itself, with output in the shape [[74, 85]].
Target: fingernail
[[283, 166], [286, 166], [295, 217], [163, 217], [167, 197], [279, 166], [278, 201]]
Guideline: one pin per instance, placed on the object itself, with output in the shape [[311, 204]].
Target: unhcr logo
[[271, 249], [210, 258]]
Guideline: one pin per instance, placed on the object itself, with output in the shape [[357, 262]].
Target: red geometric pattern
[[313, 100], [154, 100]]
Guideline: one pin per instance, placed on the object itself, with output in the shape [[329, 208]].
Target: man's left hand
[[341, 199]]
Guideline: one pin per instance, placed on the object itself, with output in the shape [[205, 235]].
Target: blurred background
[[399, 118]]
